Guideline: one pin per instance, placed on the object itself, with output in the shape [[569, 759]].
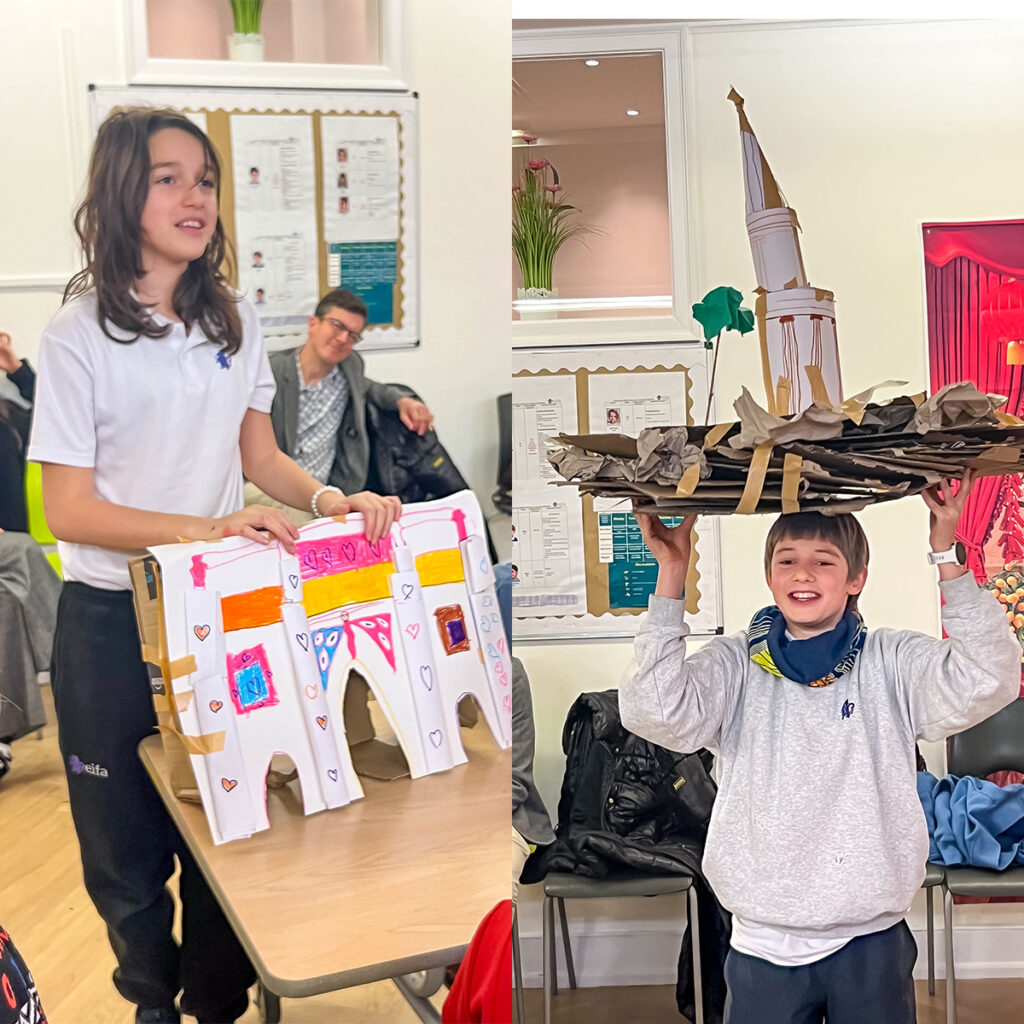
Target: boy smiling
[[817, 842]]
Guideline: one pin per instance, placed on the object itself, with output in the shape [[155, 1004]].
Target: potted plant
[[542, 222], [246, 43]]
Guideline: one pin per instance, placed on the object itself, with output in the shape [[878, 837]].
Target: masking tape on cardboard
[[761, 315], [791, 483], [783, 390], [716, 433], [688, 481], [1009, 420], [755, 478], [818, 390], [150, 654], [211, 744], [182, 666]]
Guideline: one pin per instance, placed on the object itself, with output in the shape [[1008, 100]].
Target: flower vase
[[246, 46], [537, 293]]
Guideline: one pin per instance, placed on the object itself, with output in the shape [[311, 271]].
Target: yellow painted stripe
[[436, 567], [353, 586]]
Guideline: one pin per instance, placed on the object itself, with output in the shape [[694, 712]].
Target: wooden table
[[391, 884]]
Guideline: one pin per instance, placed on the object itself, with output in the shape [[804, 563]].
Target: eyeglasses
[[339, 328]]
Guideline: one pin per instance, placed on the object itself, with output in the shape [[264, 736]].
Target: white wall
[[870, 129], [51, 50]]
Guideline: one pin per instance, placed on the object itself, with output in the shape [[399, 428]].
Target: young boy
[[817, 842]]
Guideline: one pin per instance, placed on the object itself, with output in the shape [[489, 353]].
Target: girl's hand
[[258, 523], [946, 509], [379, 513]]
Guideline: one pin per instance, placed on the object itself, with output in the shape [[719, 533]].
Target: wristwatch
[[956, 555]]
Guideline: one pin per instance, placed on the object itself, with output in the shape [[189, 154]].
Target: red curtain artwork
[[963, 263]]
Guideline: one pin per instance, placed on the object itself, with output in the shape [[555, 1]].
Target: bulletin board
[[582, 569], [319, 191]]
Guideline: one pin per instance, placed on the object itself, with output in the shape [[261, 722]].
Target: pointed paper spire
[[763, 192]]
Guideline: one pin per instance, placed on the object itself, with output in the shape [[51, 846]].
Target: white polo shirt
[[157, 420]]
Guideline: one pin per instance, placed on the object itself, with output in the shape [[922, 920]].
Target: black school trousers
[[128, 841], [869, 981]]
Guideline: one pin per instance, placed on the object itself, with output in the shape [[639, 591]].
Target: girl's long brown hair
[[107, 225]]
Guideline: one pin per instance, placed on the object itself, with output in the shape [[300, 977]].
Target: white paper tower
[[796, 322]]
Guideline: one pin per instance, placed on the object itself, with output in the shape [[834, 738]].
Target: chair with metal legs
[[559, 887]]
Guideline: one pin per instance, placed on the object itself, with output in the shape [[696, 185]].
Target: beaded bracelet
[[316, 495]]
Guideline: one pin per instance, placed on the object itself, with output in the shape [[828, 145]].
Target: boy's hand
[[670, 545], [946, 509]]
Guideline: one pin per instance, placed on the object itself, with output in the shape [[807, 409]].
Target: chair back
[[995, 745]]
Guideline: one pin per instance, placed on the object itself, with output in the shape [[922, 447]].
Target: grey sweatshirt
[[817, 826]]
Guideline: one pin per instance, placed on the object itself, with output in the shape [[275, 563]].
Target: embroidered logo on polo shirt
[[848, 707], [223, 361], [78, 767]]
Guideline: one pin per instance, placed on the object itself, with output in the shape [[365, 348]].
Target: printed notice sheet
[[626, 403], [547, 521], [275, 215]]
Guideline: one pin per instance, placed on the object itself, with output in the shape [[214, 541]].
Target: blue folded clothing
[[971, 822]]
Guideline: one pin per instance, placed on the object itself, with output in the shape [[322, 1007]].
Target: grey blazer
[[352, 452]]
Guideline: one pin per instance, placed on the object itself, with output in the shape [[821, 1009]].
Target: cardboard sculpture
[[257, 649], [827, 458], [796, 321]]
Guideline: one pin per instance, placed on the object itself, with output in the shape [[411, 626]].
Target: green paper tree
[[721, 310]]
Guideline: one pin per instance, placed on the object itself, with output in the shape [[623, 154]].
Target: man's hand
[[946, 509], [415, 415], [379, 513], [9, 362]]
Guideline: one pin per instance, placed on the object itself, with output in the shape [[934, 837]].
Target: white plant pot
[[537, 293], [246, 46]]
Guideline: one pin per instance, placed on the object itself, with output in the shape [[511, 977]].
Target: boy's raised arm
[[677, 702]]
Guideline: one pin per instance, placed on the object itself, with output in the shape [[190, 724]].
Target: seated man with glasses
[[340, 426]]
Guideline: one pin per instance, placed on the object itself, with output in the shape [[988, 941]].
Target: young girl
[[153, 399]]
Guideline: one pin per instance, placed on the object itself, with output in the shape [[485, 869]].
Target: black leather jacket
[[628, 803]]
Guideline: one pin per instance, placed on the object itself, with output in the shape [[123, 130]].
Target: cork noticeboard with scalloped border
[[598, 571], [316, 254]]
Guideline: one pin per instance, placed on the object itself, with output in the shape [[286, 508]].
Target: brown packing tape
[[1007, 419], [211, 744], [791, 483], [783, 391], [818, 390], [716, 433], [755, 479], [150, 654], [688, 481], [182, 666]]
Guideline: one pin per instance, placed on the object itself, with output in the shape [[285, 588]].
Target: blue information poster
[[369, 270], [632, 569]]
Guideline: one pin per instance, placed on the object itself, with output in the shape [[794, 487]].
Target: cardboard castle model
[[260, 647], [796, 322]]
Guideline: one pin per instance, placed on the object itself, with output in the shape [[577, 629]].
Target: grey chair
[[559, 887], [934, 875], [995, 745]]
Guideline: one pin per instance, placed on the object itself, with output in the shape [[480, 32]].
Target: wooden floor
[[44, 907], [978, 1002]]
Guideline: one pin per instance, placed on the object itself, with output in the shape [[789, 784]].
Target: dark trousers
[[128, 841], [869, 981]]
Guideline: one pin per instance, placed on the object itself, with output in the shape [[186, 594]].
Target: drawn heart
[[491, 652], [311, 692], [436, 737], [349, 551], [375, 549], [201, 631], [321, 720], [484, 566], [413, 629], [216, 705], [427, 676], [293, 581], [228, 784], [506, 702], [303, 640], [488, 602], [246, 657], [501, 644], [332, 774], [407, 590]]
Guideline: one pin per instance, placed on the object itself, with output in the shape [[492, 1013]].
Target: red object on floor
[[482, 990]]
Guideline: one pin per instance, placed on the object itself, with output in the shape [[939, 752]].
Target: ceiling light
[[632, 113], [591, 63]]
